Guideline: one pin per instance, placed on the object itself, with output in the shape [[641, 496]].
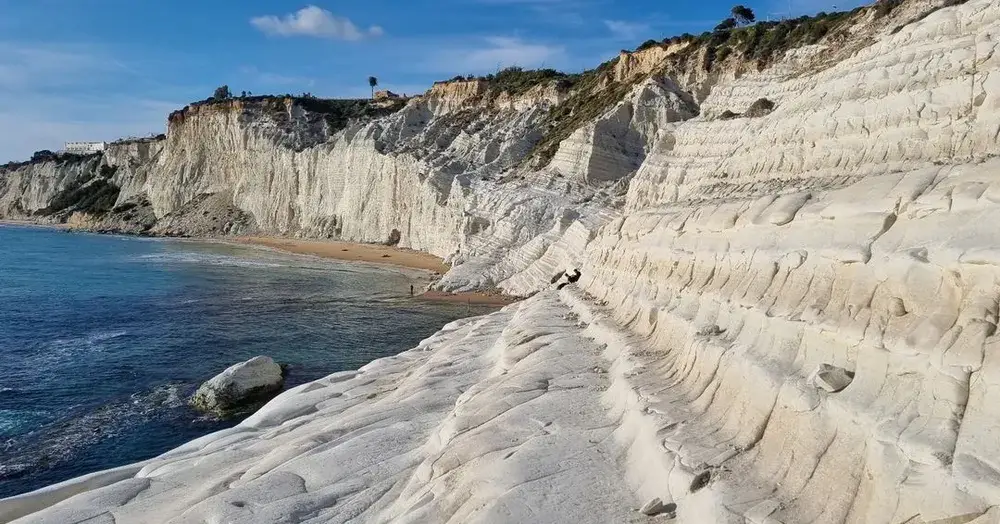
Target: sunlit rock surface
[[788, 318]]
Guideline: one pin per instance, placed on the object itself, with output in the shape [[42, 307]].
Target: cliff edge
[[787, 301]]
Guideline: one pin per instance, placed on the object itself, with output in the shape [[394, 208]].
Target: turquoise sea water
[[103, 339]]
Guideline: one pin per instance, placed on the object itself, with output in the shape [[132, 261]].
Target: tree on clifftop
[[743, 14], [726, 25], [222, 93], [44, 154], [372, 82]]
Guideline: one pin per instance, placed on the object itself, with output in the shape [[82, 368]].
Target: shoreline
[[429, 265], [348, 252], [31, 223]]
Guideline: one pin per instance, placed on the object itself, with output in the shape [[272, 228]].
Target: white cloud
[[315, 22], [497, 53], [624, 30]]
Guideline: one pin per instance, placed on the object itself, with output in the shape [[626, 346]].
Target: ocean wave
[[13, 419], [62, 440], [57, 352], [165, 396], [101, 337], [88, 342], [206, 259]]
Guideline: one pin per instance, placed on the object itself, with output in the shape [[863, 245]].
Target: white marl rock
[[239, 384], [854, 226]]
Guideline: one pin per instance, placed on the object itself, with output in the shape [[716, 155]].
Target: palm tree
[[372, 81]]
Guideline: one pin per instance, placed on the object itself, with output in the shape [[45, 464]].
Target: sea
[[103, 339]]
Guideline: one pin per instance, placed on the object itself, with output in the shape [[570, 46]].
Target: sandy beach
[[379, 254], [372, 253], [353, 252]]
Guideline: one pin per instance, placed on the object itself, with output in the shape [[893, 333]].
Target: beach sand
[[379, 254], [351, 252], [372, 253]]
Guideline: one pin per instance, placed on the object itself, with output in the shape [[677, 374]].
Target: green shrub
[[884, 8], [723, 53], [726, 25], [515, 80], [337, 113], [648, 44], [222, 93], [759, 108], [95, 195]]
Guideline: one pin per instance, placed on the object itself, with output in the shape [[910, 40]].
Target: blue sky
[[104, 69]]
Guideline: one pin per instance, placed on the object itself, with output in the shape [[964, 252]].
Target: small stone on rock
[[832, 378], [700, 480], [653, 507]]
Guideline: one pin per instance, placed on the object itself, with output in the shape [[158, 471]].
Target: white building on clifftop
[[84, 148]]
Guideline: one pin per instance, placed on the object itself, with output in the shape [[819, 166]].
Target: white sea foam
[[11, 419], [88, 342], [207, 259]]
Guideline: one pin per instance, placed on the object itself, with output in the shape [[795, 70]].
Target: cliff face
[[849, 228], [796, 312], [28, 190]]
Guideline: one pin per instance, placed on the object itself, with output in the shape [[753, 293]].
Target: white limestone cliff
[[788, 318]]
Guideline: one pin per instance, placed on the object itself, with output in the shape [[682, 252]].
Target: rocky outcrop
[[784, 318], [39, 188], [240, 385]]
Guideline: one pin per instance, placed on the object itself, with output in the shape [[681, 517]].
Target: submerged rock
[[239, 387]]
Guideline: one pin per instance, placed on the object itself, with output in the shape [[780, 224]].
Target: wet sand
[[379, 254], [352, 252], [475, 299], [371, 253]]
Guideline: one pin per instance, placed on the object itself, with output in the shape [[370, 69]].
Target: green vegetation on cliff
[[751, 47], [337, 113], [43, 156], [95, 195]]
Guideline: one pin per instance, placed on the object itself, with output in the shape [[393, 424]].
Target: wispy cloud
[[624, 30], [783, 8], [314, 22], [39, 123], [55, 93], [33, 66], [268, 78], [497, 52]]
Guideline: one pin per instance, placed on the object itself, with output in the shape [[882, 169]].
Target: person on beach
[[411, 290]]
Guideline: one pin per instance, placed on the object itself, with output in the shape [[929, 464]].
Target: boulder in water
[[239, 387]]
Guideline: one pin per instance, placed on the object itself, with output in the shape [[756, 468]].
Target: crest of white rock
[[785, 318]]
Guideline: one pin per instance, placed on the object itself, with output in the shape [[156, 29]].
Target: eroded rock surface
[[722, 263]]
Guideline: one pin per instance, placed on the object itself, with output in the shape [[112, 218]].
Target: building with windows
[[84, 148]]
